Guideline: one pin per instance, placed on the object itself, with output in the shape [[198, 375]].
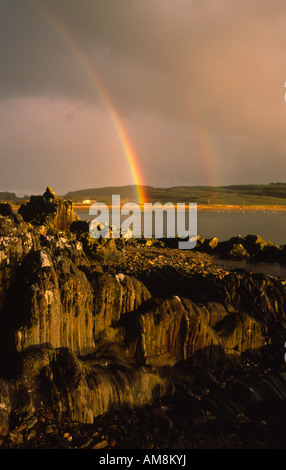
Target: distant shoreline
[[211, 207], [200, 207]]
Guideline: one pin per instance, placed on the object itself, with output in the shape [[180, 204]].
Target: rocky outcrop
[[60, 301], [49, 210], [250, 248], [176, 330], [257, 295], [81, 336]]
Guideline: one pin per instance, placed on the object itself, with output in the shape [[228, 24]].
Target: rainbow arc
[[117, 123]]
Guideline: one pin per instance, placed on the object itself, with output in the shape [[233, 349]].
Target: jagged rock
[[176, 330], [238, 251], [251, 247], [49, 210], [103, 249], [258, 295], [57, 304], [116, 296], [206, 245], [16, 241], [233, 248], [60, 307]]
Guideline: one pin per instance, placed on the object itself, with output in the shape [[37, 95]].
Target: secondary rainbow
[[204, 144], [129, 152]]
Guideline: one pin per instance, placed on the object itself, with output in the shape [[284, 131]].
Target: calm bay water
[[223, 224], [269, 225]]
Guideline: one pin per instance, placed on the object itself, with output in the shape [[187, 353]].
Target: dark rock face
[[6, 209], [80, 389], [80, 336], [16, 241]]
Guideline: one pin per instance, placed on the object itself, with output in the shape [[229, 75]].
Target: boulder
[[238, 251], [262, 250], [207, 245], [251, 247], [101, 249], [6, 209]]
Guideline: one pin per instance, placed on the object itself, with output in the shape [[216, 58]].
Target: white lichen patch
[[44, 260], [34, 287], [120, 277], [49, 297], [78, 246], [28, 240], [3, 257]]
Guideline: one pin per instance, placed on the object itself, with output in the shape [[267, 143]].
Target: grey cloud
[[169, 66], [160, 55]]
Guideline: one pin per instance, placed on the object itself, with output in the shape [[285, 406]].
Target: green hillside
[[8, 196], [271, 194]]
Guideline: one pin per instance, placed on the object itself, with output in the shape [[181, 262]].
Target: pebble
[[83, 442], [30, 423], [16, 437], [138, 258], [49, 429], [49, 415], [112, 443], [100, 445], [31, 435]]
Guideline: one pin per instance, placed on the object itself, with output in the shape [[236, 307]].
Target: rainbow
[[205, 149], [128, 150], [205, 146]]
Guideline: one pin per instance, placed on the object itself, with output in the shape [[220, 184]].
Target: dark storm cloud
[[161, 55], [169, 66]]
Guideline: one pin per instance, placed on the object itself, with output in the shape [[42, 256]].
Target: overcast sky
[[198, 84]]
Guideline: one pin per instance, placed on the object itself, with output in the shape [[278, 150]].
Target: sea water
[[269, 225]]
